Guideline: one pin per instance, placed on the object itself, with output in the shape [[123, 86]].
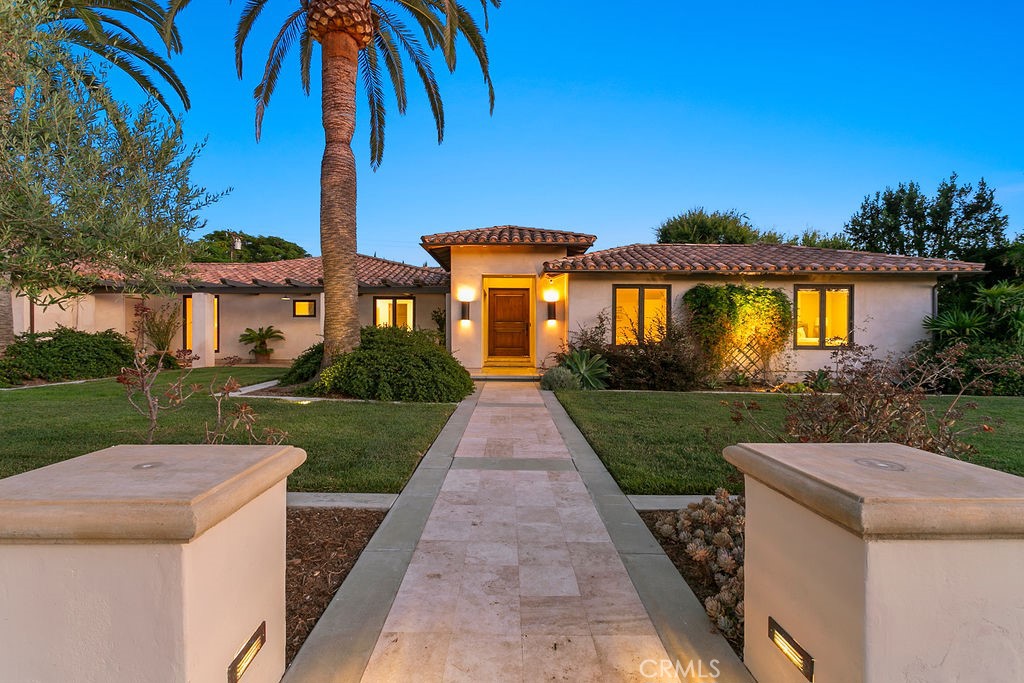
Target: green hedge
[[305, 367], [1005, 384], [393, 364], [65, 354]]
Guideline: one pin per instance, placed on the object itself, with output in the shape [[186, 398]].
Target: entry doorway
[[508, 328]]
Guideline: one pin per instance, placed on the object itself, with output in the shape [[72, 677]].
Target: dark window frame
[[303, 301], [822, 312], [640, 309], [394, 309], [184, 323]]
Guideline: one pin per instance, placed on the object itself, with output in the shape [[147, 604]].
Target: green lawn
[[671, 443], [351, 446]]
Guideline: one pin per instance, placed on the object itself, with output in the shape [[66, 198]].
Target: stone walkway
[[512, 555], [515, 577]]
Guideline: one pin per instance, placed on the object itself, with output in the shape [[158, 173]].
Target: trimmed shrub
[[305, 367], [394, 364], [65, 354], [558, 378]]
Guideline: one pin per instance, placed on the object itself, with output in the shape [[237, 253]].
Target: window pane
[[403, 313], [837, 316], [382, 315], [808, 317], [627, 314], [304, 309], [655, 314], [188, 321]]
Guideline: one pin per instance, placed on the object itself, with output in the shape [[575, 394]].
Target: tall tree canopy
[[959, 222], [91, 188], [367, 43], [697, 226], [103, 27], [219, 247]]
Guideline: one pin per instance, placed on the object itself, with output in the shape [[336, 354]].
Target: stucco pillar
[[20, 306], [880, 563], [146, 564], [203, 333]]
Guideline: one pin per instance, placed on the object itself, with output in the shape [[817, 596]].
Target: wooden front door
[[508, 332]]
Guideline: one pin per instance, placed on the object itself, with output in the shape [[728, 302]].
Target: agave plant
[[957, 324], [590, 368]]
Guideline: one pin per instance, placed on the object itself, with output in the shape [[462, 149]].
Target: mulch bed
[[677, 553], [323, 545]]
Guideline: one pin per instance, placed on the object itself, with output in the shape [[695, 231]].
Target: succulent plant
[[711, 531]]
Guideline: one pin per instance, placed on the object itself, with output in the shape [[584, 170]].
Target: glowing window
[[389, 311], [303, 309], [640, 313], [186, 326], [823, 316]]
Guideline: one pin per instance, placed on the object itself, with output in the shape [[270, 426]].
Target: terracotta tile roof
[[373, 272], [751, 258], [439, 245]]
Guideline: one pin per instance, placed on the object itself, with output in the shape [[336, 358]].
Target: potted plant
[[258, 340]]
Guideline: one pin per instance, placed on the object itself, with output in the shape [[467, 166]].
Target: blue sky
[[611, 117]]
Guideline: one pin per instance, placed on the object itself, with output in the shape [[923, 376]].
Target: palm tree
[[370, 41], [100, 26]]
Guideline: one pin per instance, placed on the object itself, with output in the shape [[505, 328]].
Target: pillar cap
[[139, 493], [888, 490]]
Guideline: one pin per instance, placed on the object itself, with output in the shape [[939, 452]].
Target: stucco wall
[[472, 268], [887, 310]]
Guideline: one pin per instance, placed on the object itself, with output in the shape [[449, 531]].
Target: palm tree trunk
[[338, 196]]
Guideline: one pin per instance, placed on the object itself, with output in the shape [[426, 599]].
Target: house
[[511, 295]]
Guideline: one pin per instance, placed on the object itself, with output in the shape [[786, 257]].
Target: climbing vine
[[728, 320]]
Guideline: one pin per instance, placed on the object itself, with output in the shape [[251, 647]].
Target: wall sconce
[[551, 297], [464, 313]]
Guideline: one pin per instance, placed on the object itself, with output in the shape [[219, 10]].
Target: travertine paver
[[515, 577]]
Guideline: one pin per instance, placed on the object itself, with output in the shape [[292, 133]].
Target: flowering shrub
[[712, 533]]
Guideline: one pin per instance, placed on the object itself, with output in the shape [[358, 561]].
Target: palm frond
[[250, 13], [92, 25], [305, 58], [291, 30], [369, 71], [421, 62], [475, 38], [125, 54], [393, 57]]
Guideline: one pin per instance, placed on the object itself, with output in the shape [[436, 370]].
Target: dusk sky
[[611, 117]]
